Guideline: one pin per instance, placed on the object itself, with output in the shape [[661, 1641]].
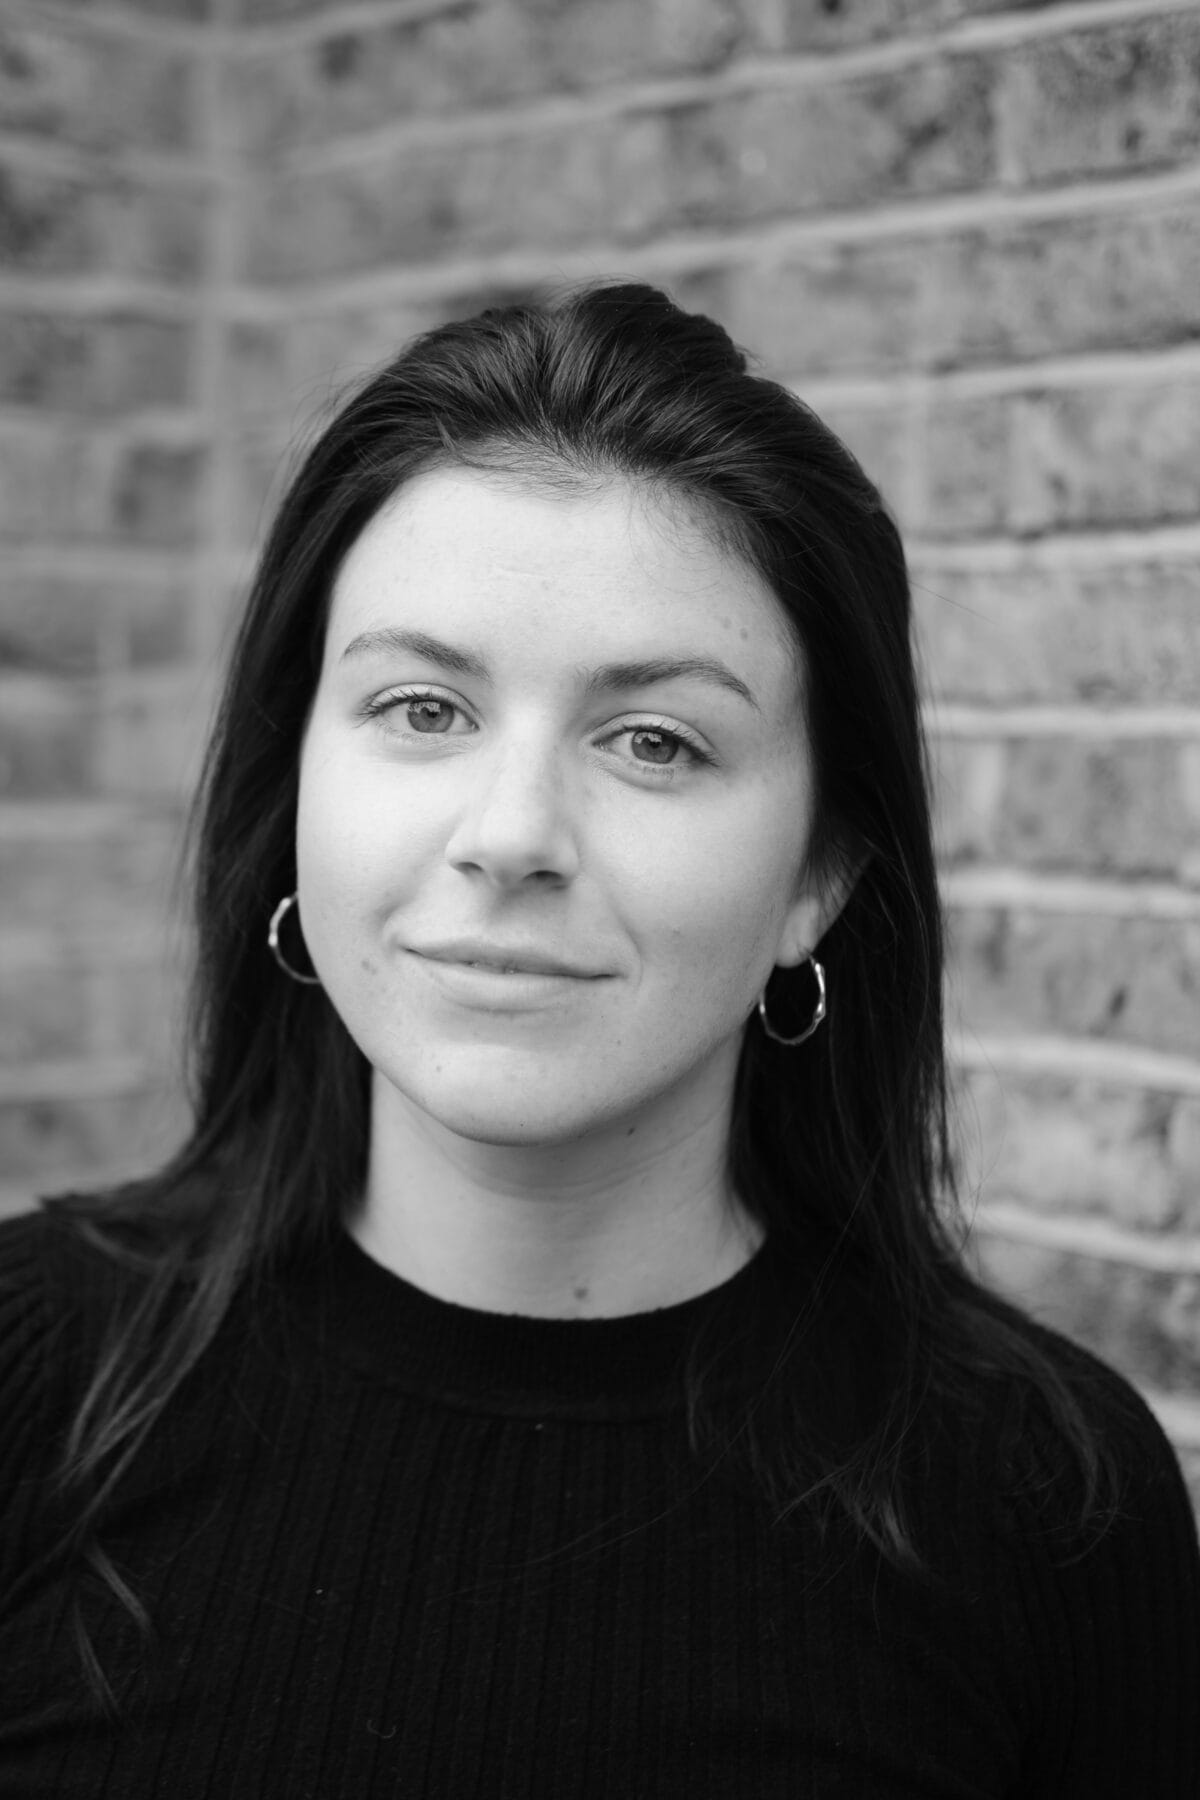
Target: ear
[[817, 903]]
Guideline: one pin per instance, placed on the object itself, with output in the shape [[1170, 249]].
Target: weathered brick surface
[[1054, 286], [1129, 979], [468, 57], [54, 224], [45, 1011], [1144, 1322], [1126, 807], [115, 875], [81, 625], [1121, 634], [819, 25], [1125, 1154], [109, 364], [76, 483], [1121, 97], [998, 294], [713, 163], [68, 82], [150, 739], [47, 738], [1104, 456], [93, 1138]]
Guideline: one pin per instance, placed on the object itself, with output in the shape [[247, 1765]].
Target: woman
[[548, 1368]]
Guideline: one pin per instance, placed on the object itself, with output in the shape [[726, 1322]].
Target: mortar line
[[686, 252], [1095, 549], [748, 74], [1026, 890], [955, 720], [158, 166], [1083, 1234], [1087, 370], [1075, 1060]]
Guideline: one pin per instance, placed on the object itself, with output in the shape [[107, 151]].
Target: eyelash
[[396, 698]]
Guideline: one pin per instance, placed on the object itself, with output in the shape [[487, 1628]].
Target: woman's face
[[555, 799]]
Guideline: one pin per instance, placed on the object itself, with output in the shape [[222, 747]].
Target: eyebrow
[[611, 678]]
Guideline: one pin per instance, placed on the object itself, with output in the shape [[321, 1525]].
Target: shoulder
[[1071, 1462], [58, 1294], [1098, 1579]]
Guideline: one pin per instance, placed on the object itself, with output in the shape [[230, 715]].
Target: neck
[[636, 1216]]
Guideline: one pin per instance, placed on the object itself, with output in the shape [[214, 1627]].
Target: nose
[[517, 822]]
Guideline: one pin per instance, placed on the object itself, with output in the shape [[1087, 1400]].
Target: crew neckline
[[366, 1316]]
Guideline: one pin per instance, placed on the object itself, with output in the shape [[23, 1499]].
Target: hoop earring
[[277, 918], [818, 1010]]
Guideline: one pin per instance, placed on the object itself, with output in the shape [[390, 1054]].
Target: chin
[[518, 1109]]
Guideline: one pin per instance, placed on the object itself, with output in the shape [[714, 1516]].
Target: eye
[[658, 747], [655, 746], [418, 712]]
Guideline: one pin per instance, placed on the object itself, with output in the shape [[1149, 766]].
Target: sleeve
[[1114, 1629]]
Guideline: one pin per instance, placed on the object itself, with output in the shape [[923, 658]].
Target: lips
[[503, 959]]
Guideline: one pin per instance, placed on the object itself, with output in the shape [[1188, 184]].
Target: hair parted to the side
[[840, 1148]]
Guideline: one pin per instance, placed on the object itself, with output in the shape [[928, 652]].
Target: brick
[[1032, 462], [45, 1011], [548, 187], [1008, 292], [285, 95], [155, 493], [1080, 1147], [1120, 635], [77, 484], [261, 11], [81, 626], [1053, 286], [713, 164], [969, 457], [140, 1012], [1113, 808], [838, 24], [1144, 1323], [922, 130], [830, 309], [151, 738], [359, 80], [118, 877], [47, 738], [261, 463], [879, 437], [69, 83], [1133, 980], [54, 225], [1107, 456], [1117, 98], [284, 374], [167, 9], [94, 365], [108, 1138]]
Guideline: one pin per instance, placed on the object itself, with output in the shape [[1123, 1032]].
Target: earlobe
[[817, 907]]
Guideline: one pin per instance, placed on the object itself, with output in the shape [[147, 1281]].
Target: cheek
[[715, 895], [354, 853]]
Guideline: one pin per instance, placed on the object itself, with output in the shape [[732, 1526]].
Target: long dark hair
[[840, 1148]]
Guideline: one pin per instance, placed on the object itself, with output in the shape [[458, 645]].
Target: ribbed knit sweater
[[395, 1547]]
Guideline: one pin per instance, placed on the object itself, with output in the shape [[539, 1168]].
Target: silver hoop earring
[[277, 918], [818, 1010]]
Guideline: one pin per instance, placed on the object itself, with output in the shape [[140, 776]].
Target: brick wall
[[968, 232]]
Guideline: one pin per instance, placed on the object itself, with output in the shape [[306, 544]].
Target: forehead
[[613, 568]]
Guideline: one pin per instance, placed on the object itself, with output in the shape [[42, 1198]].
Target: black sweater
[[395, 1547]]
